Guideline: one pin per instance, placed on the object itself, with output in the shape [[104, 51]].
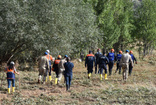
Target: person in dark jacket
[[103, 61], [97, 56], [118, 57], [111, 57], [89, 62], [130, 65], [68, 73], [56, 68]]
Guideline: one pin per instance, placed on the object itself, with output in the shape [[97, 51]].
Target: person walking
[[111, 57], [43, 68], [61, 68], [97, 56], [68, 73], [89, 62], [124, 62], [11, 71], [103, 61], [118, 57], [50, 59], [55, 67], [130, 65]]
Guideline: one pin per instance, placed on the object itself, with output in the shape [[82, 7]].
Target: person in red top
[[11, 70], [89, 61], [50, 59], [55, 67]]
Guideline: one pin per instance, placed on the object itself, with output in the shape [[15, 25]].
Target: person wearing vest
[[61, 67], [118, 57], [68, 72], [89, 61], [10, 71], [103, 61], [50, 59], [124, 63], [130, 65], [43, 68], [111, 57], [55, 67], [97, 56]]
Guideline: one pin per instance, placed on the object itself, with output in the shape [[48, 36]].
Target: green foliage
[[31, 27]]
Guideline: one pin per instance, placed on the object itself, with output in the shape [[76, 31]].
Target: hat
[[127, 50], [65, 56], [47, 51], [12, 63]]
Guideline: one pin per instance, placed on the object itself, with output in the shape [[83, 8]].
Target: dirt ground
[[139, 89]]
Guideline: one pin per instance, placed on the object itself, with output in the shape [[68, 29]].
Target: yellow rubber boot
[[50, 78], [56, 80], [101, 77], [8, 90], [106, 76], [13, 89], [46, 79]]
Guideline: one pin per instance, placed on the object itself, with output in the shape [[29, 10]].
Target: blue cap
[[65, 56], [90, 52], [127, 50], [46, 53]]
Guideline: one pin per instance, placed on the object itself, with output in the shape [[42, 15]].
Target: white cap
[[47, 51], [12, 63]]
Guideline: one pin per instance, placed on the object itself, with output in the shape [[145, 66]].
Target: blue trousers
[[68, 79], [9, 82], [110, 64]]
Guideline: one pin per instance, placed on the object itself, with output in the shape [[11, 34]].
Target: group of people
[[124, 61], [63, 67], [60, 67]]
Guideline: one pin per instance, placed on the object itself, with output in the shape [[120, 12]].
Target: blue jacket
[[103, 60], [118, 57], [133, 58], [111, 56], [68, 68], [90, 59]]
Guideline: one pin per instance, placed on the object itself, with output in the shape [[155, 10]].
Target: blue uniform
[[130, 65], [103, 61], [111, 57], [97, 56], [89, 61], [118, 57], [68, 73]]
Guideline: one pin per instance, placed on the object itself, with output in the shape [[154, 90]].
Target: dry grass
[[140, 88]]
